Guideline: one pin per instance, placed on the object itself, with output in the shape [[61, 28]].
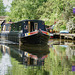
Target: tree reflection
[[58, 63]]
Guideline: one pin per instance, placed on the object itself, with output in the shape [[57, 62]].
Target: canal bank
[[64, 36]]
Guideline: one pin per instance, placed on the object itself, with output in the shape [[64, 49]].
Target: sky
[[7, 3]]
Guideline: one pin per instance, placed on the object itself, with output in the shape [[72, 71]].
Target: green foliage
[[63, 27], [74, 20], [48, 10], [60, 25], [25, 9], [2, 8]]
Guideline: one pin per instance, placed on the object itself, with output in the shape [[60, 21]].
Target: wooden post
[[60, 39]]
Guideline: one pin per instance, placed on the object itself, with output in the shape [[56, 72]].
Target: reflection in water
[[39, 50], [36, 55], [25, 55], [56, 59], [30, 54], [62, 55], [5, 60]]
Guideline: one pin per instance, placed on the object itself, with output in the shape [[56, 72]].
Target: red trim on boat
[[44, 32], [33, 32]]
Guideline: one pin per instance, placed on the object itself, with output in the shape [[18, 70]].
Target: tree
[[25, 9], [2, 8], [50, 11]]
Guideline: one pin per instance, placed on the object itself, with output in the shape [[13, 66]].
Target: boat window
[[14, 27], [36, 26], [24, 22], [25, 27], [9, 28], [43, 23], [20, 28]]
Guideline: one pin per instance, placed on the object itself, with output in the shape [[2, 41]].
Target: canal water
[[56, 58]]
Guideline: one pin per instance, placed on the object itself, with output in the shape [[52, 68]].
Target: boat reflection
[[29, 55], [33, 60], [34, 55], [39, 50]]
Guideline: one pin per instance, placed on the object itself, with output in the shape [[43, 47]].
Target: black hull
[[38, 38], [12, 36]]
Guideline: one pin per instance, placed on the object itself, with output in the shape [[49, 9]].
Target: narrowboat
[[26, 31]]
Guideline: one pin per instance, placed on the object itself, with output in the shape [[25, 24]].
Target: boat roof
[[30, 20]]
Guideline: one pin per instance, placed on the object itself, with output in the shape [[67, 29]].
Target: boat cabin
[[25, 26], [6, 27], [28, 26]]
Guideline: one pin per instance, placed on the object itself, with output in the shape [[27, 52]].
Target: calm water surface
[[56, 58]]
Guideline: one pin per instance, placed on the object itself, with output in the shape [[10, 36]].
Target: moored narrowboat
[[26, 31]]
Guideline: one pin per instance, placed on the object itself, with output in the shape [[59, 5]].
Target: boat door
[[32, 26]]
